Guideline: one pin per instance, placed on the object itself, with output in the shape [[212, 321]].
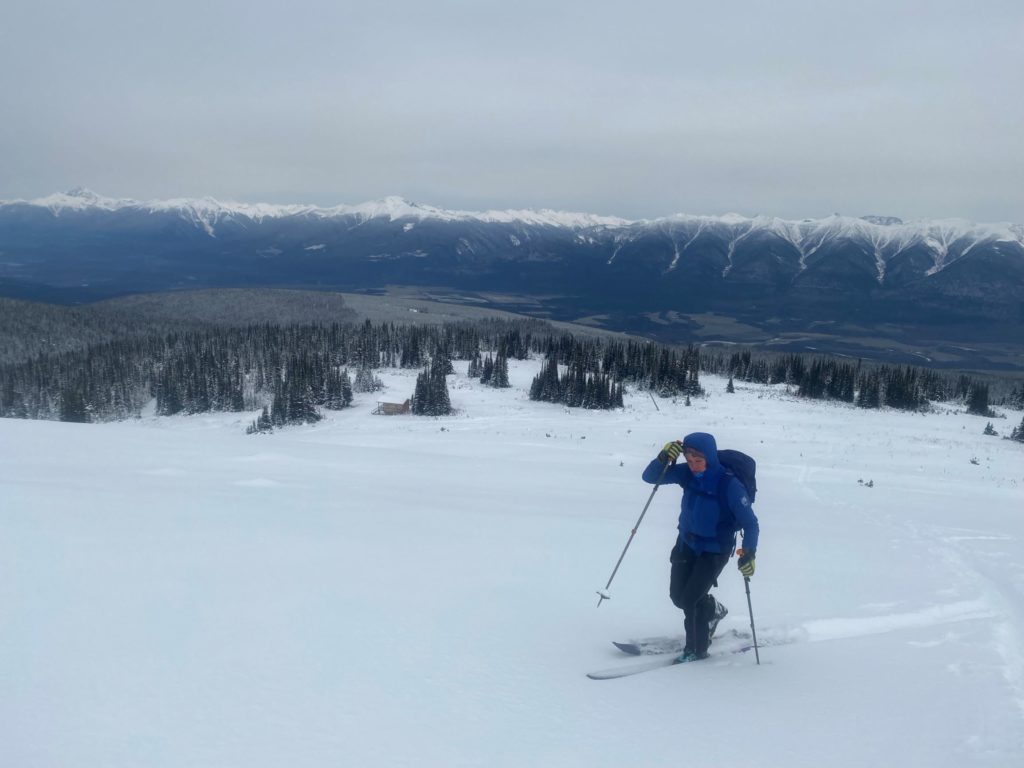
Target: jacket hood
[[705, 443]]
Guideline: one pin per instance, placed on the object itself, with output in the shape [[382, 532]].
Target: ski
[[668, 659], [664, 660], [651, 646], [655, 646]]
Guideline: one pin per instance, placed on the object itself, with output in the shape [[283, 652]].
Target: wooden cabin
[[392, 409]]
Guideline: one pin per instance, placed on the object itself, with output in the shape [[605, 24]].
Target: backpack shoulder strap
[[723, 491]]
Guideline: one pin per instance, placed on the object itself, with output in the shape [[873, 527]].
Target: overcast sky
[[638, 109]]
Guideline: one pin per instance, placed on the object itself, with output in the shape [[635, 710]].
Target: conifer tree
[[421, 395], [431, 397], [977, 400], [1018, 432], [440, 402], [366, 381], [869, 393], [278, 410], [546, 385], [499, 374], [72, 406], [262, 423], [1016, 399]]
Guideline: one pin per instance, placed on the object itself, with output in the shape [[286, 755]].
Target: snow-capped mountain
[[80, 245], [209, 211]]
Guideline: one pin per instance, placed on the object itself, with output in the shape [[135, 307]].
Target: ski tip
[[631, 648]]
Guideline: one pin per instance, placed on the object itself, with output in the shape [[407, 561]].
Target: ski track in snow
[[967, 553], [1002, 598], [975, 559], [847, 628]]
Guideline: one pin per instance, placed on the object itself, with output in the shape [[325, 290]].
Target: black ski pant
[[693, 575]]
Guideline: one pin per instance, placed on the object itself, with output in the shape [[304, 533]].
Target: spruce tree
[[1018, 432], [262, 423], [366, 381], [869, 393], [421, 395], [72, 406], [546, 385], [977, 400], [279, 410], [499, 374], [1016, 399], [430, 397]]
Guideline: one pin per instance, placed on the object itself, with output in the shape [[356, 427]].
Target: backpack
[[743, 468]]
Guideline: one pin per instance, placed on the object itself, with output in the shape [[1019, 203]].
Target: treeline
[[864, 385], [293, 372], [596, 372], [29, 329]]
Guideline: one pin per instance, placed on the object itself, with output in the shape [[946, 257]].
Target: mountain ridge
[[944, 239], [395, 207], [649, 277]]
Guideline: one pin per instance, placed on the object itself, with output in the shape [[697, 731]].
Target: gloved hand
[[670, 452], [746, 563]]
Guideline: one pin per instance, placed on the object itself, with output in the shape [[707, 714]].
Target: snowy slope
[[420, 592]]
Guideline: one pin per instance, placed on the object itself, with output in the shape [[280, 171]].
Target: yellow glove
[[745, 563], [670, 452]]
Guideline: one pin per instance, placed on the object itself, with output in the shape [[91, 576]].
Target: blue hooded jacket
[[703, 525]]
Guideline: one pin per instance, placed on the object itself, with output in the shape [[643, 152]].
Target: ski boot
[[688, 656], [719, 613]]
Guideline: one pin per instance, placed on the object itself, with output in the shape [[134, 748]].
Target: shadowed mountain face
[[795, 274]]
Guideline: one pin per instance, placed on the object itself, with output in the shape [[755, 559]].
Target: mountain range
[[952, 279]]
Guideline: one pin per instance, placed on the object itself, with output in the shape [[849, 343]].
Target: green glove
[[670, 452], [746, 564]]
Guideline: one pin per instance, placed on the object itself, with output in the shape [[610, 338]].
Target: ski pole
[[603, 593], [750, 608]]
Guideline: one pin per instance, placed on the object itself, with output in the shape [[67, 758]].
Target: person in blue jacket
[[714, 507]]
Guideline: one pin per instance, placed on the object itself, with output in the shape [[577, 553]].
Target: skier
[[714, 506]]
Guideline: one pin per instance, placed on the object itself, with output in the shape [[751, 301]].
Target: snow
[[889, 237], [78, 198], [412, 591], [207, 211]]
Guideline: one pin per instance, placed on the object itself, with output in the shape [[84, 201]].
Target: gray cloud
[[787, 108]]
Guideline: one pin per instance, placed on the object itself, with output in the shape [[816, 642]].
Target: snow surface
[[402, 591]]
